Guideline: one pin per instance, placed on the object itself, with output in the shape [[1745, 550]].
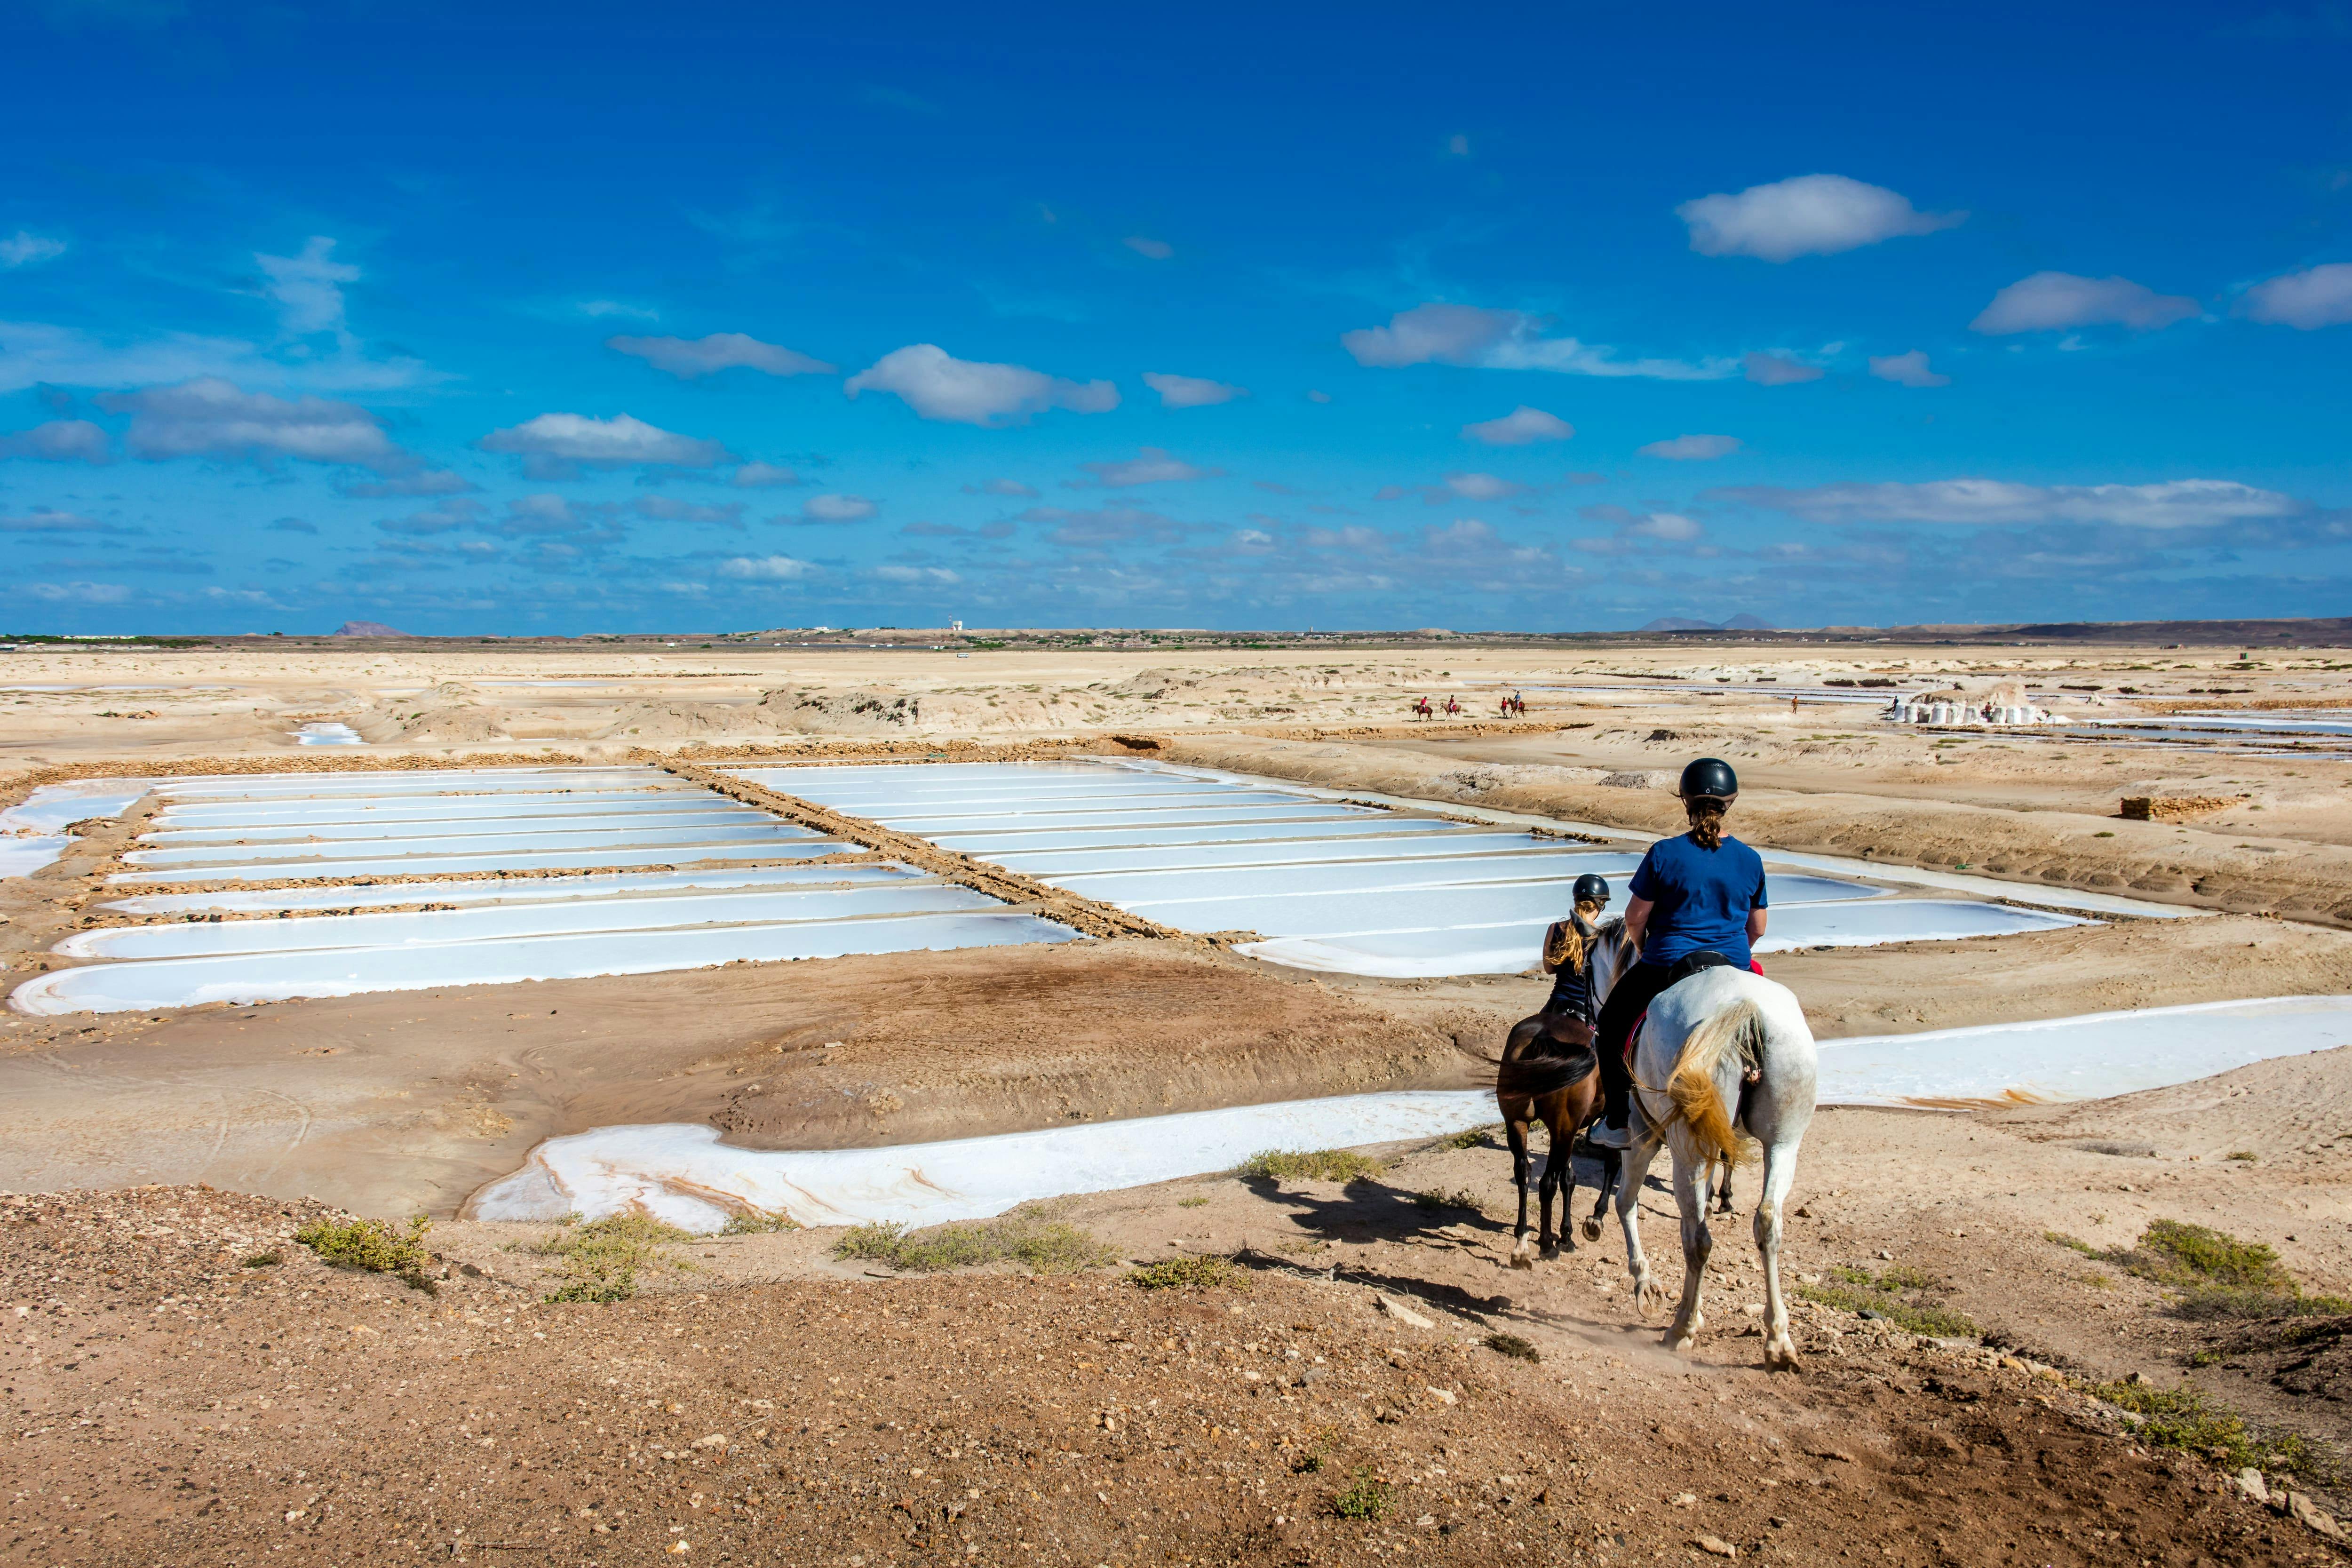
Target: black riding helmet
[[1593, 888], [1710, 778]]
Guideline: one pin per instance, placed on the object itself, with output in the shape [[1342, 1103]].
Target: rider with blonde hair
[[1697, 901], [1567, 952]]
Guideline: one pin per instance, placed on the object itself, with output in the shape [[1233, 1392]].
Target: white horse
[[1692, 1058]]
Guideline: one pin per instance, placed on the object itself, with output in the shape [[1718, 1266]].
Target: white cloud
[[1521, 426], [2316, 296], [605, 307], [425, 482], [76, 592], [670, 509], [32, 352], [1501, 340], [2052, 301], [1151, 465], [837, 509], [1477, 486], [1995, 504], [689, 357], [1812, 215], [49, 519], [762, 476], [1157, 249], [1907, 369], [1692, 448], [307, 288], [446, 518], [1668, 527], [58, 441], [210, 418], [551, 514], [24, 249], [1777, 370], [1000, 487], [556, 446], [1190, 391], [927, 576], [766, 568], [937, 385]]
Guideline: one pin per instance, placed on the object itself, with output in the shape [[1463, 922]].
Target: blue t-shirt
[[1699, 899]]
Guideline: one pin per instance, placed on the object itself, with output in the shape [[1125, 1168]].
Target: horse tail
[[1691, 1086], [1538, 1062]]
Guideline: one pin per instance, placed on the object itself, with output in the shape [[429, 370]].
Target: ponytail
[[1707, 820], [1565, 944]]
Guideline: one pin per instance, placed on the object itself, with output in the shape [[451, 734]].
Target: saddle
[[1686, 966]]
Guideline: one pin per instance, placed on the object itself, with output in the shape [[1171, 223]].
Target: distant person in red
[[1452, 706], [1421, 709]]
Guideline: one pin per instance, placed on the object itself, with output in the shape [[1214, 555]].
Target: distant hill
[[367, 629], [1683, 624]]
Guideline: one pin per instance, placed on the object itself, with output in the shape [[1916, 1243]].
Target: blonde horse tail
[[1691, 1086]]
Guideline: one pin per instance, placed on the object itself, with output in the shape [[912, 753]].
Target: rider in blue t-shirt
[[1698, 899]]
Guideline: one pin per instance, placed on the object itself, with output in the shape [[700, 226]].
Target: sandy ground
[[292, 1411]]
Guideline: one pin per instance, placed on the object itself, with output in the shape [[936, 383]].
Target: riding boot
[[1618, 1110]]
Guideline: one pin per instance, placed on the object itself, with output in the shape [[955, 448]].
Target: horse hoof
[[1521, 1260], [1782, 1357], [1592, 1230], [1552, 1252], [1680, 1344]]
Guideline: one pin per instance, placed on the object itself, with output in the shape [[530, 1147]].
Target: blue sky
[[527, 319]]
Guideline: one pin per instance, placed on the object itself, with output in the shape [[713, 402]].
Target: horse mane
[[1738, 1031]]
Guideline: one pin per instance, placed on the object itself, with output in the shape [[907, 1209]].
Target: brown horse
[[1549, 1073]]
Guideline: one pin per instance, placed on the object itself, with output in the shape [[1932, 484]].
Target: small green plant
[[601, 1258], [1341, 1165], [2245, 1155], [1026, 1235], [2172, 1252], [374, 1245], [1190, 1272], [1192, 1202], [2073, 1243], [1513, 1346], [263, 1261], [1364, 1498], [1470, 1139], [758, 1222], [2098, 1281], [2187, 1418], [1460, 1198], [1850, 1289]]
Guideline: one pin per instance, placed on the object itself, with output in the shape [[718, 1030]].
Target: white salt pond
[[328, 733], [243, 977], [32, 833], [682, 1173], [483, 840], [1331, 886]]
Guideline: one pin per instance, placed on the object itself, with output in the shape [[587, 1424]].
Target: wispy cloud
[[1503, 340], [687, 358], [1811, 215], [2175, 504], [1521, 426], [558, 445], [937, 385], [2055, 301]]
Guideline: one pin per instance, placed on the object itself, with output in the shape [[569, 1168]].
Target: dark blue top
[[1699, 899]]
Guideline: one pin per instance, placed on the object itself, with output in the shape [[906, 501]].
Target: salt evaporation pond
[[328, 733], [404, 837], [33, 833], [682, 1173], [1334, 887]]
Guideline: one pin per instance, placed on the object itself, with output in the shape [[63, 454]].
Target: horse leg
[[1723, 1189], [1631, 1173], [1522, 1251], [1779, 1174], [1559, 1166], [1690, 1196], [1611, 1159]]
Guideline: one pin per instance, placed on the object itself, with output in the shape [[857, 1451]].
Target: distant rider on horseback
[[1697, 899]]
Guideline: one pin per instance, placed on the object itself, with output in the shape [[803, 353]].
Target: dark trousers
[[1628, 1000]]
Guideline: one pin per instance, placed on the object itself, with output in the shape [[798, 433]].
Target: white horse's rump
[[1702, 1035]]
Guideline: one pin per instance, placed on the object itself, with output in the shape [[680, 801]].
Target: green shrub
[[1848, 1289], [1471, 1139], [1365, 1498], [601, 1258], [1192, 1202], [263, 1260], [758, 1222], [1513, 1346], [1310, 1165], [1190, 1273], [374, 1245], [2062, 1239], [2171, 1252], [1461, 1198], [1025, 1236], [2187, 1418]]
